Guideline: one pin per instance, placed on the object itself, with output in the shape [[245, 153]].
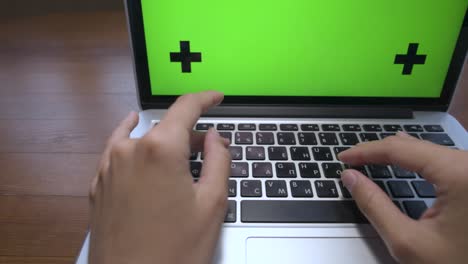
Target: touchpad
[[316, 250]]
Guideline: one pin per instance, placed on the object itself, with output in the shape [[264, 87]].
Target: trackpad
[[316, 250]]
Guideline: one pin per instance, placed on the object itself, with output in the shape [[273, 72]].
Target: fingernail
[[349, 179], [215, 133], [403, 134]]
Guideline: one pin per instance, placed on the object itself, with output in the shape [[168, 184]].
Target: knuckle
[[119, 150], [391, 141], [186, 98], [154, 147]]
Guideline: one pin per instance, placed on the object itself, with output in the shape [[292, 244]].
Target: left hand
[[145, 207]]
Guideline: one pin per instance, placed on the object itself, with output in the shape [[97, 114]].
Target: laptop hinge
[[310, 112]]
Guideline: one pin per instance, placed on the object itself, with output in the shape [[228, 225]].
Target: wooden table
[[66, 80]]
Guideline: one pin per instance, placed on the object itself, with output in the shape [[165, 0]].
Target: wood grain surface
[[66, 79]]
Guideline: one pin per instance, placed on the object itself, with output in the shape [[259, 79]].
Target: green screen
[[302, 47]]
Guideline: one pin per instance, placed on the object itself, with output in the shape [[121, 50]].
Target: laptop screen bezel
[[149, 101]]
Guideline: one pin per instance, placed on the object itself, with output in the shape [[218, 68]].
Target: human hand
[[441, 234], [145, 207]]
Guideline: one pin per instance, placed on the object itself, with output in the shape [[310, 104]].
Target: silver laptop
[[304, 80]]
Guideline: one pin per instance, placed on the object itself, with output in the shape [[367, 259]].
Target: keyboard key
[[299, 153], [366, 137], [348, 138], [251, 188], [225, 127], [433, 128], [332, 169], [379, 171], [204, 126], [413, 128], [195, 169], [244, 138], [384, 135], [277, 153], [226, 135], [285, 170], [309, 170], [276, 189], [338, 150], [255, 153], [393, 128], [268, 127], [262, 170], [330, 127], [399, 172], [328, 139], [400, 189], [414, 135], [277, 211], [326, 189], [424, 189], [239, 169], [231, 213], [310, 127], [286, 138], [307, 138], [236, 153], [246, 127], [381, 184], [289, 127], [415, 209], [441, 139], [322, 153], [397, 204], [352, 127], [232, 188], [193, 155], [265, 138], [301, 189], [372, 128], [344, 190]]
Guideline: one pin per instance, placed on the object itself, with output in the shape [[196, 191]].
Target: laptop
[[304, 80]]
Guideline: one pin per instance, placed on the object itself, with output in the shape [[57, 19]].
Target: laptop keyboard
[[289, 172]]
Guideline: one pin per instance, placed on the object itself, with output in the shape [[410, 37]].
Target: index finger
[[187, 109], [414, 155]]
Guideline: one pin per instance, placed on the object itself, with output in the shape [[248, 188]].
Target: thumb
[[387, 219], [215, 173]]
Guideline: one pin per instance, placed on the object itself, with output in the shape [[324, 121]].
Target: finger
[[93, 188], [122, 131], [125, 127], [413, 155], [405, 135], [186, 111], [216, 167], [376, 205]]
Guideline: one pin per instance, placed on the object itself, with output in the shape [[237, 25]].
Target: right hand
[[441, 234]]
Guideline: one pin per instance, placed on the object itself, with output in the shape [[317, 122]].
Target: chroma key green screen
[[365, 48]]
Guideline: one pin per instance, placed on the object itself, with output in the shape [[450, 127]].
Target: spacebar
[[274, 211]]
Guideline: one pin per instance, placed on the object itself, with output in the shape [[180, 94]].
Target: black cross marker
[[410, 59], [185, 56]]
